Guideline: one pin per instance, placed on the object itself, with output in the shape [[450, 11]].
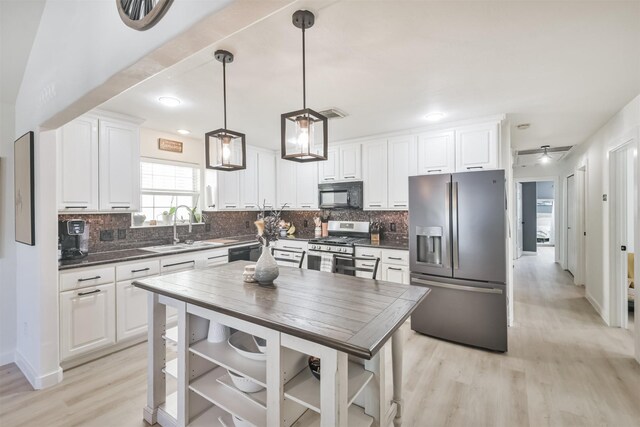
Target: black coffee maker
[[73, 236]]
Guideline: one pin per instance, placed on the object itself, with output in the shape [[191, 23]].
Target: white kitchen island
[[352, 324]]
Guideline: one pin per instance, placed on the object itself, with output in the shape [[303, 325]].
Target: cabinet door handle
[[395, 258], [230, 206], [434, 170], [394, 268], [84, 279], [140, 270], [120, 207], [305, 206], [474, 167], [375, 205], [368, 265], [178, 263], [368, 256], [95, 291], [349, 177], [400, 205], [328, 179], [75, 207]]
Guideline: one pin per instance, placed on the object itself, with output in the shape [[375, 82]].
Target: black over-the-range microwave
[[340, 195]]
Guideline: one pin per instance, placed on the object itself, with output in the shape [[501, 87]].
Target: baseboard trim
[[7, 357], [596, 306], [37, 382]]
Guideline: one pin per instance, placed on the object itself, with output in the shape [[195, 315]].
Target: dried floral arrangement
[[268, 224]]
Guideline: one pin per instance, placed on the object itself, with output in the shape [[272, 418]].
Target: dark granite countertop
[[100, 258], [402, 244]]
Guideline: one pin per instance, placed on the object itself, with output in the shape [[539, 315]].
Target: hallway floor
[[564, 368]]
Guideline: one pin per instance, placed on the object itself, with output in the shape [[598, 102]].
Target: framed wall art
[[24, 189]]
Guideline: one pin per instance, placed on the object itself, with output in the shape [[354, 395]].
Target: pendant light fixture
[[304, 132], [225, 149], [545, 158]]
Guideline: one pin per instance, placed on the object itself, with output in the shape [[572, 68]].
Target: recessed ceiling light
[[523, 126], [434, 117], [169, 101], [183, 132]]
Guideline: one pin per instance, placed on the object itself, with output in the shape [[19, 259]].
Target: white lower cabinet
[[87, 320], [131, 308], [395, 273]]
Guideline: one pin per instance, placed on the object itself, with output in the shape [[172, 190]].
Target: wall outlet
[[106, 235], [122, 233], [306, 223], [207, 227], [392, 227]]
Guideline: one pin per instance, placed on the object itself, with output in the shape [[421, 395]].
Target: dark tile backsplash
[[220, 224]]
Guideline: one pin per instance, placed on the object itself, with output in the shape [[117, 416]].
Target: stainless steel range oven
[[342, 236]]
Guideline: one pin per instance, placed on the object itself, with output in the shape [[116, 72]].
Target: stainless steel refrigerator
[[457, 229]]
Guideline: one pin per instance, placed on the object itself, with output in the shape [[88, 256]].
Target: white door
[[77, 156], [436, 152], [374, 174], [477, 147], [307, 186], [519, 220], [328, 171], [87, 320], [571, 221], [131, 311], [229, 190], [402, 164], [119, 166], [350, 162], [267, 180], [249, 182], [286, 184]]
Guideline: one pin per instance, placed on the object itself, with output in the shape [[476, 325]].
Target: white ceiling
[[564, 67], [19, 21]]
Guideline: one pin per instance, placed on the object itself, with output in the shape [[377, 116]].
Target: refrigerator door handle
[[446, 236], [458, 287], [454, 225]]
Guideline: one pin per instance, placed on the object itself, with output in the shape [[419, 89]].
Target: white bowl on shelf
[[243, 383], [239, 422], [246, 346]]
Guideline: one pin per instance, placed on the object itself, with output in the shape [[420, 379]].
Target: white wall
[[83, 55], [7, 252]]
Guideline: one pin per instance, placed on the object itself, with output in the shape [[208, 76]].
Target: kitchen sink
[[181, 247]]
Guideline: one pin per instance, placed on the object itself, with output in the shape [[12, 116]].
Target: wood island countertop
[[349, 314]]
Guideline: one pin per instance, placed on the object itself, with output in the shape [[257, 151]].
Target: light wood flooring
[[563, 368]]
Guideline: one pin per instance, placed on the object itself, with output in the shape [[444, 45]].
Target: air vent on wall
[[532, 157], [333, 113]]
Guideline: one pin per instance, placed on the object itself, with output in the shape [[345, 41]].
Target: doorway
[[571, 225], [622, 162], [535, 216]]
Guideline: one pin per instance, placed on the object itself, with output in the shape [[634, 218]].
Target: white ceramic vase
[[266, 268], [218, 332]]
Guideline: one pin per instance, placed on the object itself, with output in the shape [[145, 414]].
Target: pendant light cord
[[304, 77], [224, 91]]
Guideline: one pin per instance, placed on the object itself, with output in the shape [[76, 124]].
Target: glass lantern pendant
[[304, 132], [225, 149]]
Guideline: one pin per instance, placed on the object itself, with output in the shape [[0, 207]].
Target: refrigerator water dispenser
[[429, 245]]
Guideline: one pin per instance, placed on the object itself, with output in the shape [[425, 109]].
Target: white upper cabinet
[[477, 147], [374, 173], [328, 170], [119, 170], [249, 182], [436, 152], [307, 186], [78, 165], [266, 179], [344, 163], [402, 164], [350, 162], [229, 190], [286, 193]]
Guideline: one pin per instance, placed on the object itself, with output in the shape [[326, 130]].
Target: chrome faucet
[[175, 229]]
